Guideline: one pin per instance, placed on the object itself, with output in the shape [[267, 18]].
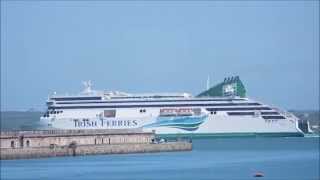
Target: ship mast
[[208, 82], [87, 87]]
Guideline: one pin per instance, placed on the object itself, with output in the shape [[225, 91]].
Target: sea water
[[224, 158]]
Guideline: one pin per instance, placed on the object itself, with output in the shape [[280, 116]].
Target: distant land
[[19, 120], [309, 115], [27, 120]]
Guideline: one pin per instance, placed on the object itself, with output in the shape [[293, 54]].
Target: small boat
[[258, 174]]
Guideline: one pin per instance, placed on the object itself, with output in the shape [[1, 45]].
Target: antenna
[[87, 85], [208, 82]]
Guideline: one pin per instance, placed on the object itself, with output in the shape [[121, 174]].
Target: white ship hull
[[168, 114], [219, 123]]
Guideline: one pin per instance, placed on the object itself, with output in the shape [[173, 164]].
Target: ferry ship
[[223, 110]]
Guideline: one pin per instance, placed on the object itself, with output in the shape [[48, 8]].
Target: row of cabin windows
[[162, 105], [76, 98], [55, 112], [107, 113], [112, 113], [248, 113], [252, 113], [273, 117], [52, 112], [13, 144], [142, 97], [151, 101]]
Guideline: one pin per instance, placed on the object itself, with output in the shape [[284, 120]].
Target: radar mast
[[87, 87]]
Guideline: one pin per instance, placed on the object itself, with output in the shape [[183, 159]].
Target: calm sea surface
[[231, 158]]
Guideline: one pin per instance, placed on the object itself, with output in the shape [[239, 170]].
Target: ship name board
[[104, 123]]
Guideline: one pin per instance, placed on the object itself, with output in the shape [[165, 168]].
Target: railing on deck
[[70, 132]]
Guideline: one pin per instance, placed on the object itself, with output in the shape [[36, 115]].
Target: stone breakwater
[[52, 143]]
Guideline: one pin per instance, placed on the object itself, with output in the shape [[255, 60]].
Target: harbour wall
[[37, 144]]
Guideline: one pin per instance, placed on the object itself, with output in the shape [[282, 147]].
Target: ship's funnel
[[231, 86]]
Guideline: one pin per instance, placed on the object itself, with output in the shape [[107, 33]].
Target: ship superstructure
[[170, 113]]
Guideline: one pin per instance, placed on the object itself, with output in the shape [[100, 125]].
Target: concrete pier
[[51, 143]]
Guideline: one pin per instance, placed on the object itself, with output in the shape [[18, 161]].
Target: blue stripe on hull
[[186, 123]]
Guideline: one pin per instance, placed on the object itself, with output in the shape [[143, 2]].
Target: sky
[[159, 46]]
